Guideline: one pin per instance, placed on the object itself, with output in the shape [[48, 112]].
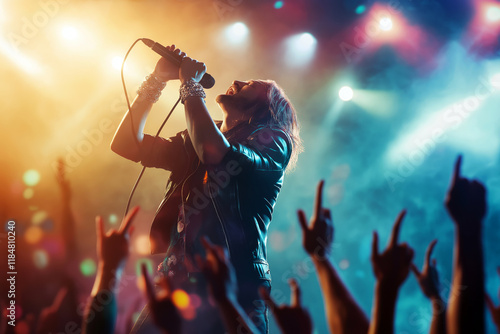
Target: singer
[[224, 182]]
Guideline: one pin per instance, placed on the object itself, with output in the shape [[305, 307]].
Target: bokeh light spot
[[88, 267], [31, 178], [28, 193], [346, 93], [360, 9], [142, 245], [41, 258], [180, 298], [278, 4], [344, 264], [113, 219], [39, 217], [33, 234]]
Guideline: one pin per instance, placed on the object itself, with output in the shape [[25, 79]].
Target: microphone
[[207, 81]]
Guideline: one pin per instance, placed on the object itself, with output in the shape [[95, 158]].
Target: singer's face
[[243, 95]]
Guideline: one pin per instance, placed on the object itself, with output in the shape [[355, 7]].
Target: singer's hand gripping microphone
[[207, 81]]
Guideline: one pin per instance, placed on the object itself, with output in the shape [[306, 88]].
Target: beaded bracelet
[[151, 88], [191, 88]]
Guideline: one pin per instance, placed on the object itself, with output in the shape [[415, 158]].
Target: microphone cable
[[132, 126]]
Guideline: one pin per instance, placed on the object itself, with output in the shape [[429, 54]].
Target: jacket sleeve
[[168, 154], [266, 150]]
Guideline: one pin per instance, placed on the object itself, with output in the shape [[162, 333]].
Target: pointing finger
[[415, 270], [456, 172], [295, 297], [319, 198], [99, 226], [127, 221], [395, 230], [428, 253], [375, 246], [302, 220]]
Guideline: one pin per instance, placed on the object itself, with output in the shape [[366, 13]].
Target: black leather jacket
[[235, 199]]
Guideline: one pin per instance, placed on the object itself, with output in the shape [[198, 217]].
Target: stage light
[[360, 9], [385, 23], [69, 33], [278, 4], [11, 51], [300, 49], [346, 93], [31, 178], [493, 14], [88, 267], [41, 258], [237, 32], [117, 62]]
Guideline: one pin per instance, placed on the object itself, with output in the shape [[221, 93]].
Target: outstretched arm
[[494, 310], [68, 219], [428, 280], [342, 312], [112, 251], [466, 204], [391, 268], [290, 319]]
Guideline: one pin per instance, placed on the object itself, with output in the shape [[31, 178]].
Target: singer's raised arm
[[129, 136], [208, 141]]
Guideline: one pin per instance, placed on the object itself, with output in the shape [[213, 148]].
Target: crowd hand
[[49, 317], [218, 271], [466, 200], [163, 310], [317, 236], [62, 180], [293, 318], [393, 265], [495, 311], [113, 246], [165, 70], [428, 279]]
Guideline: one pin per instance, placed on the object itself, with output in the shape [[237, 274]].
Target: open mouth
[[232, 90]]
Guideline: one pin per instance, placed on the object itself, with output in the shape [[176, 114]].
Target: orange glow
[[33, 235], [181, 299], [142, 245]]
